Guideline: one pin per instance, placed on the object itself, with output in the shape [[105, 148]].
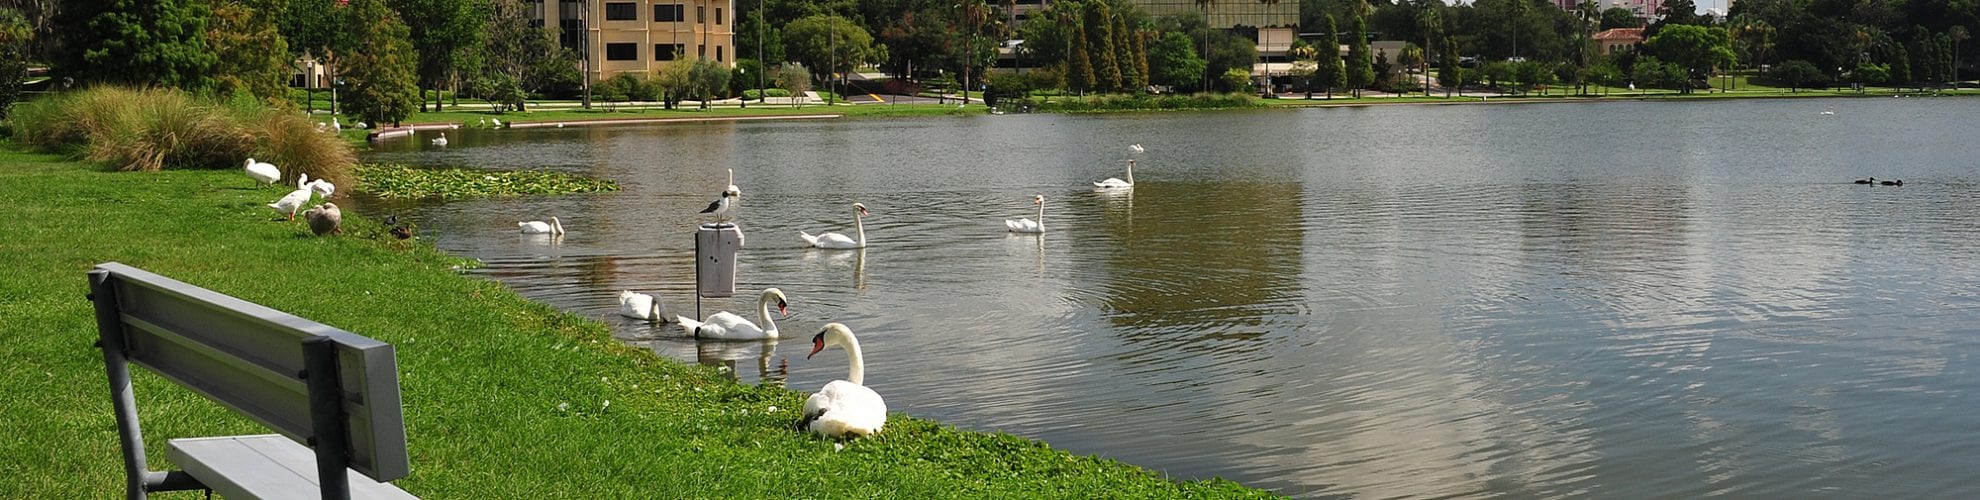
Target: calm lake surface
[[1623, 300]]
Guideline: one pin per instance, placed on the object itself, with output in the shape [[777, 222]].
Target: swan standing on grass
[[641, 306], [840, 241], [442, 141], [554, 227], [263, 172], [728, 326], [293, 201], [322, 188], [1028, 225], [843, 408]]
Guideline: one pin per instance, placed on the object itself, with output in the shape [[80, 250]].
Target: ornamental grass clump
[[152, 129]]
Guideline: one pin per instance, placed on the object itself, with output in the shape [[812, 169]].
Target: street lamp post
[[761, 67]]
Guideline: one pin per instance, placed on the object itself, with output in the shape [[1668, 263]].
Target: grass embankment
[[503, 397]]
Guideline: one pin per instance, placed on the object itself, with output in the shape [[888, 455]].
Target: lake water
[[1630, 299]]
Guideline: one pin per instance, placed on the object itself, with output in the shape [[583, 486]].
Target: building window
[[667, 52], [621, 11], [700, 14], [718, 16], [668, 13], [622, 52], [701, 51], [718, 53]]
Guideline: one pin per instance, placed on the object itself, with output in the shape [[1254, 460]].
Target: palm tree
[[1958, 35], [1517, 9], [1206, 4], [1591, 16], [1428, 21]]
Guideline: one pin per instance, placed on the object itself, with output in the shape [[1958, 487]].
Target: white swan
[[728, 326], [641, 306], [1028, 225], [733, 190], [1829, 111], [555, 227], [496, 121], [843, 408], [442, 141], [322, 188], [840, 241], [293, 201], [263, 172], [1113, 183], [1136, 148]]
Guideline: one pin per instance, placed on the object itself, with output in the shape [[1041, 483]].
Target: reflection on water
[[1386, 302]]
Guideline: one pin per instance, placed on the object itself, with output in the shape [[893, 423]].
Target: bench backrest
[[250, 358]]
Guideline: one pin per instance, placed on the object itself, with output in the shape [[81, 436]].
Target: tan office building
[[640, 36]]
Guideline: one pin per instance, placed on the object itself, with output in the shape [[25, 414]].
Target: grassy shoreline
[[503, 397]]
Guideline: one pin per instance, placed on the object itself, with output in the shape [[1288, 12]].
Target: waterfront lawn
[[503, 397], [469, 115]]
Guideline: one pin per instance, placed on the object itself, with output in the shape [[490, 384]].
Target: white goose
[[442, 141], [641, 306], [1028, 225], [293, 201], [554, 227], [843, 408], [336, 125], [728, 326], [840, 241], [1113, 183], [263, 172]]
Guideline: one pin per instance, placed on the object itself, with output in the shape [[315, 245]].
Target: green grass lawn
[[504, 398]]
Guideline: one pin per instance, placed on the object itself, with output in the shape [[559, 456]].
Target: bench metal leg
[[109, 329], [326, 408]]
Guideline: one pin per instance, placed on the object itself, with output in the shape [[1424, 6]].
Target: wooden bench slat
[[267, 466]]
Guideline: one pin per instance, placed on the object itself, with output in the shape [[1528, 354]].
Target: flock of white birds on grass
[[323, 219]]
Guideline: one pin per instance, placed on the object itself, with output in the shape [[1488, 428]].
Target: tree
[[1332, 71], [1173, 60], [710, 79], [1080, 74], [1516, 15], [1229, 51], [15, 38], [1618, 17], [253, 57], [136, 42], [381, 78], [1237, 80], [1360, 69], [1958, 34], [1450, 74], [1797, 72], [794, 78], [830, 42], [675, 81], [1697, 49], [447, 33], [521, 55], [315, 30], [1100, 41], [1430, 23], [1305, 64]]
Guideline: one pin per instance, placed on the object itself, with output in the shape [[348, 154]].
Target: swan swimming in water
[[840, 241], [843, 408], [1113, 183], [1028, 225], [442, 141], [641, 306], [554, 227], [728, 326]]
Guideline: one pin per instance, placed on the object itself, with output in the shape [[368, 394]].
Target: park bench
[[331, 395]]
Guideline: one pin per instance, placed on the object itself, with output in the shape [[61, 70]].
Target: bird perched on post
[[324, 219], [723, 206]]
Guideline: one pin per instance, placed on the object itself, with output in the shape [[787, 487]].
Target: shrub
[[152, 129], [1131, 102]]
